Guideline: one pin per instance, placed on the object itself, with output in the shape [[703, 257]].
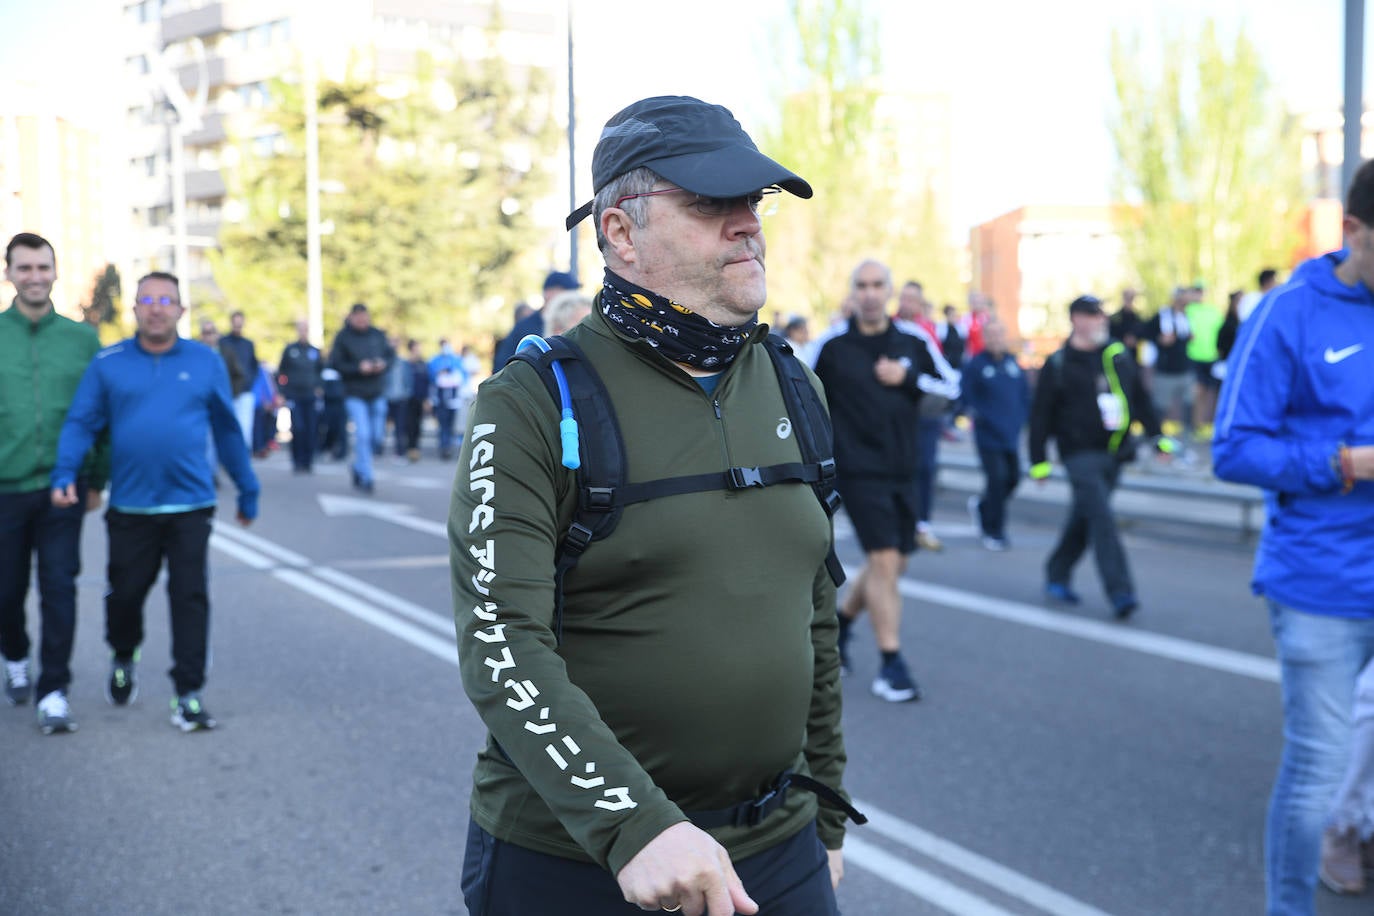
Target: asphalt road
[[1059, 763]]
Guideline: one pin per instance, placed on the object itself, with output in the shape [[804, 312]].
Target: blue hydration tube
[[567, 426]]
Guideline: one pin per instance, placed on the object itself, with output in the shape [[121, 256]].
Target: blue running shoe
[[894, 683], [1059, 591]]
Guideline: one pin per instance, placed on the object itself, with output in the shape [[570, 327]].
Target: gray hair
[[565, 310], [635, 181]]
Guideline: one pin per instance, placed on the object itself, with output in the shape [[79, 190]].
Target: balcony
[[214, 18], [212, 131], [237, 69], [204, 184]]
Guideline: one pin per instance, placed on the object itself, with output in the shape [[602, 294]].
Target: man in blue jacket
[[159, 396], [1297, 418], [995, 390]]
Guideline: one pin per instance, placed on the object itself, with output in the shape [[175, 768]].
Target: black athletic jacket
[[875, 426]]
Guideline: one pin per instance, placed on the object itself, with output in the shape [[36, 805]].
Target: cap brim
[[728, 172]]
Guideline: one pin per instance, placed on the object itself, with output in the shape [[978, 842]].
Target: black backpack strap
[[602, 451], [815, 436]]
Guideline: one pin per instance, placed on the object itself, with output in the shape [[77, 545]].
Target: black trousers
[[30, 524], [502, 879], [138, 546], [1093, 477], [304, 427], [1001, 473]]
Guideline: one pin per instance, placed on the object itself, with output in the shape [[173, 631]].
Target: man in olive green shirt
[[695, 667], [42, 358]]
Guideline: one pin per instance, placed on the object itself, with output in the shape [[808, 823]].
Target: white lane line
[[1158, 645], [980, 868], [444, 649], [918, 882], [440, 623]]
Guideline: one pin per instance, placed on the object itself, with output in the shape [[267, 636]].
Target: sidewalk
[[1183, 491]]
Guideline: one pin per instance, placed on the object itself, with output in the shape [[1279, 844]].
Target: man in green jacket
[[42, 358], [633, 749]]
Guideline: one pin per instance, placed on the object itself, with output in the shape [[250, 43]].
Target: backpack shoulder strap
[[601, 473], [815, 436]]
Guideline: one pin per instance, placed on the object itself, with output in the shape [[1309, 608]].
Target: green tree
[[101, 307], [833, 131], [429, 184], [1209, 164]]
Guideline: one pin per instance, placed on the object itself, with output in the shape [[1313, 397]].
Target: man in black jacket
[[247, 358], [361, 354], [875, 373], [298, 379], [1088, 395]]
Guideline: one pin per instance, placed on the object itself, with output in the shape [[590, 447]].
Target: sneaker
[[996, 545], [412, 455], [122, 688], [17, 686], [894, 683], [1341, 868], [927, 540], [54, 715], [189, 714], [1124, 605], [1060, 591]]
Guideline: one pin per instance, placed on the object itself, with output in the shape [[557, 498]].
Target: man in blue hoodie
[[1297, 418], [159, 396]]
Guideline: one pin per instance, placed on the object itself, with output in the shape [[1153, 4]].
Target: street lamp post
[[1354, 90]]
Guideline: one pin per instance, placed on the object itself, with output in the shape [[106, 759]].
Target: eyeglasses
[[164, 301], [760, 203]]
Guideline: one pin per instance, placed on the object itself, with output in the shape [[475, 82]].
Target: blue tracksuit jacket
[[159, 409], [1298, 385], [997, 392]]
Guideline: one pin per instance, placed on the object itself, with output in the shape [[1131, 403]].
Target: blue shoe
[[1059, 591], [1124, 605], [894, 683]]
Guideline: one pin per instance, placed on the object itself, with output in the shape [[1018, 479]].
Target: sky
[[1029, 82]]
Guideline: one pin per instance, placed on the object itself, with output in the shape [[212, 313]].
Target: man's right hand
[[684, 867], [1362, 461]]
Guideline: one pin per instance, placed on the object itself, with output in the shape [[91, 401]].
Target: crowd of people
[[585, 800]]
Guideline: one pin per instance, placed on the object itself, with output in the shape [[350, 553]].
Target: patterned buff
[[674, 330]]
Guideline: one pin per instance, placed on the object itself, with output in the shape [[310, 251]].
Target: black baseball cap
[[697, 146], [562, 280], [1086, 305]]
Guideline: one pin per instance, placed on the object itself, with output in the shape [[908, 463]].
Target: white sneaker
[[996, 545], [54, 715], [17, 686]]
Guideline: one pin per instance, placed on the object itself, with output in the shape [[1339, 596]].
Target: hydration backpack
[[602, 491]]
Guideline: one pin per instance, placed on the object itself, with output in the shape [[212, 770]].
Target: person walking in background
[[1126, 325], [362, 355], [448, 377], [1297, 419], [246, 355], [266, 403], [159, 397], [555, 284], [419, 399], [564, 311], [1173, 376], [1205, 321], [876, 373], [397, 388], [1088, 395], [334, 415], [997, 394], [1267, 280], [42, 358], [298, 379], [1226, 335]]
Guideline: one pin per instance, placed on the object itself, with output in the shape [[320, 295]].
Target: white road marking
[[1111, 634], [1012, 883], [918, 882], [395, 513]]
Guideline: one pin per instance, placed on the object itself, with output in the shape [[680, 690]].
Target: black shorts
[[883, 512], [1203, 373]]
